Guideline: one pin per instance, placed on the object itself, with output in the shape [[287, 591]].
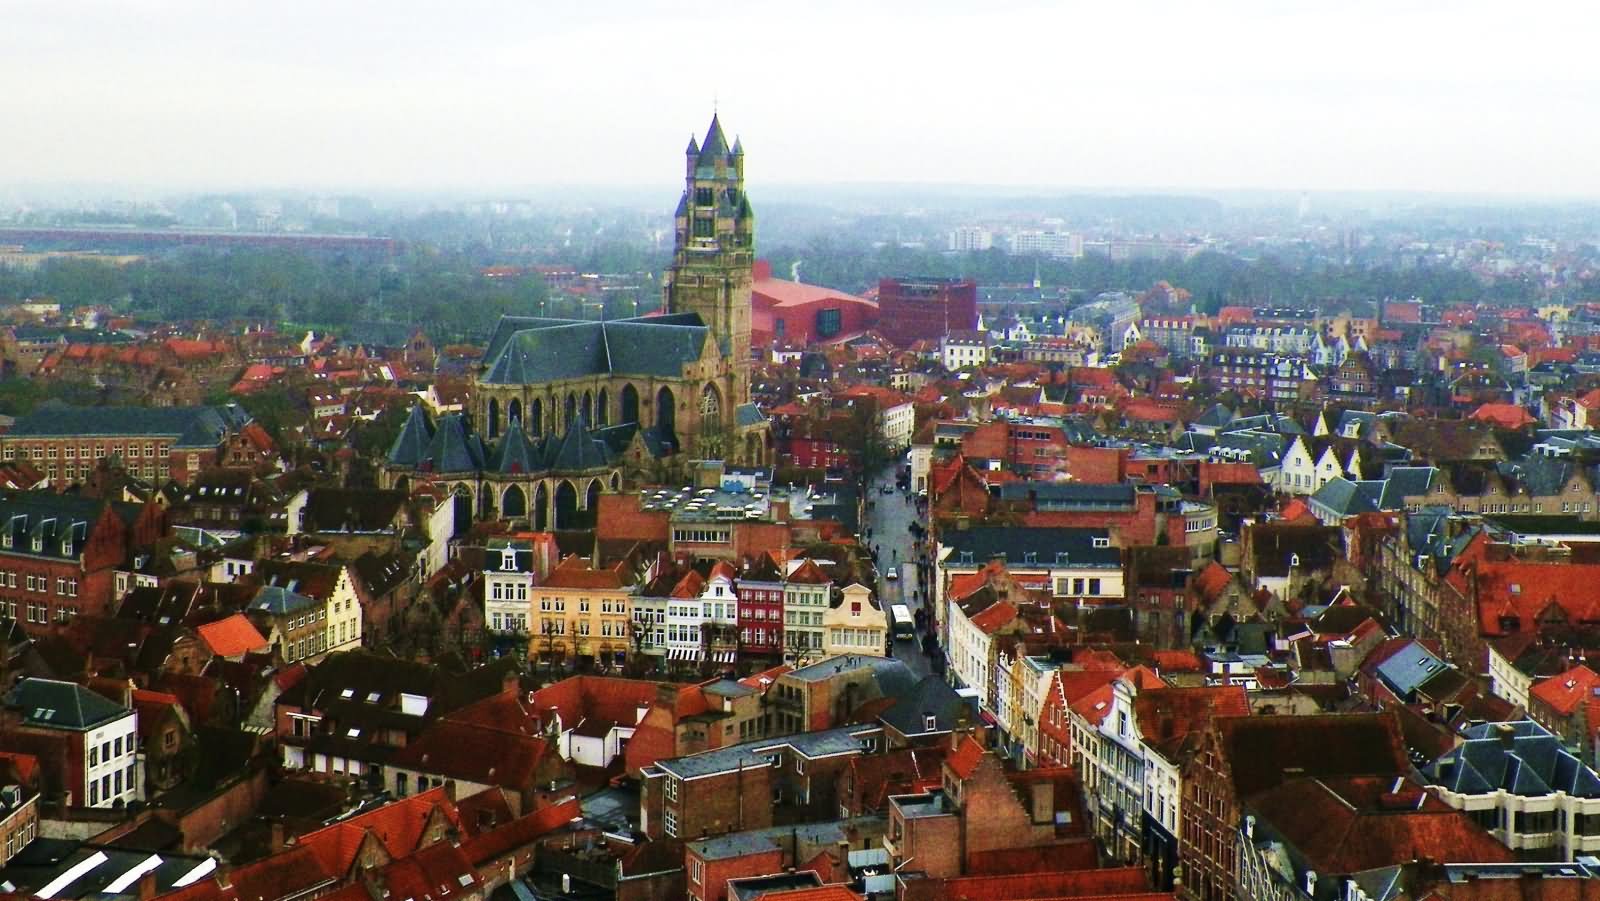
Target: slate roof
[[61, 523], [749, 414], [577, 450], [516, 452], [757, 753], [1521, 758], [278, 601], [1406, 671], [187, 426], [454, 447], [531, 351], [1216, 417], [62, 705], [930, 696], [411, 445], [1014, 544], [1347, 498], [1406, 481]]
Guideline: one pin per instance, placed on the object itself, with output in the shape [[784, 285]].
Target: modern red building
[[803, 314], [926, 309]]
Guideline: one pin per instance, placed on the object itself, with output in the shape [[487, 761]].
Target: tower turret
[[714, 250]]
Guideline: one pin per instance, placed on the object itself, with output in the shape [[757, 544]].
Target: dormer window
[[38, 543], [929, 722], [508, 560]]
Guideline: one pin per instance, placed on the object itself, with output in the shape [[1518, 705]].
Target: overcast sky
[[1489, 97]]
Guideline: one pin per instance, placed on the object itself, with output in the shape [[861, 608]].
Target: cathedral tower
[[713, 254]]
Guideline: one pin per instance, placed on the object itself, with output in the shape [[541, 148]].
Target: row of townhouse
[[679, 613]]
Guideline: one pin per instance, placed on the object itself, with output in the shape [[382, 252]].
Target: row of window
[[499, 591], [110, 750], [701, 535], [110, 786], [559, 605], [74, 452]]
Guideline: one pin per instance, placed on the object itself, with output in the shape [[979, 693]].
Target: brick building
[[153, 443], [752, 785], [1239, 757], [982, 808], [59, 554], [926, 309]]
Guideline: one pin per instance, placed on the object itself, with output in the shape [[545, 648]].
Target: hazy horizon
[[1470, 100]]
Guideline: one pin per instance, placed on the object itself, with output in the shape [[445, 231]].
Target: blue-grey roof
[[46, 524], [61, 705], [1216, 417], [454, 447], [749, 414], [759, 753], [1406, 481], [516, 452], [1346, 498], [277, 600], [1070, 495], [186, 426], [1408, 669], [1521, 757], [577, 450], [932, 696], [530, 351], [411, 445], [1018, 545]]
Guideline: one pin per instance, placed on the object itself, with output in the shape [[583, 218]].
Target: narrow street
[[889, 520]]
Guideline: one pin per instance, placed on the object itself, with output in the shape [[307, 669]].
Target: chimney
[[277, 841], [1507, 734], [147, 886], [1042, 801]]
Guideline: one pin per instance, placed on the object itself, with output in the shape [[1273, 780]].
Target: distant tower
[[1037, 284], [712, 257]]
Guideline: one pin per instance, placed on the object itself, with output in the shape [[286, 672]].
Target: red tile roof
[[1211, 581], [1563, 693], [487, 846], [1354, 824], [233, 636], [1057, 884], [398, 826], [964, 760], [996, 616], [1504, 416]]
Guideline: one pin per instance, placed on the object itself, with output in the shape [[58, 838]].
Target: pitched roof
[[1258, 749], [231, 636], [1352, 824], [524, 350], [1521, 758], [1169, 718], [54, 704], [1563, 693]]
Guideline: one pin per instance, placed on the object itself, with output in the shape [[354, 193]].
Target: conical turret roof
[[411, 445], [516, 453], [454, 448], [693, 147], [577, 450], [714, 142]]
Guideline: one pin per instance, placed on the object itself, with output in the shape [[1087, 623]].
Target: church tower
[[713, 255]]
